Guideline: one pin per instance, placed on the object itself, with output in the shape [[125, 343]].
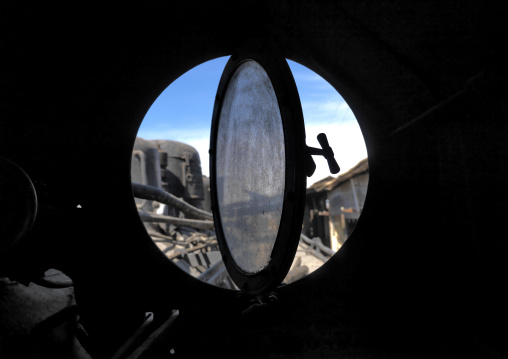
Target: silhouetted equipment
[[145, 164], [183, 232], [182, 174], [145, 169]]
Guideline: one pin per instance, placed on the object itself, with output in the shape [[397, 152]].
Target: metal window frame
[[288, 235]]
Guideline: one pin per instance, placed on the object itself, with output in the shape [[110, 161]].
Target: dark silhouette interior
[[423, 273]]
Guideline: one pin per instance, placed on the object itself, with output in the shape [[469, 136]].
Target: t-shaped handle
[[328, 153], [325, 151]]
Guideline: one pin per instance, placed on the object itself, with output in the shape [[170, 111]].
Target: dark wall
[[75, 85]]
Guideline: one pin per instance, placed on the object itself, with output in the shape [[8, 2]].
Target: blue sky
[[183, 113]]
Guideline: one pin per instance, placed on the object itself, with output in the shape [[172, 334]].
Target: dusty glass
[[250, 167]]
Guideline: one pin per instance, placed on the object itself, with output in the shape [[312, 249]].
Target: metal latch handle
[[325, 151]]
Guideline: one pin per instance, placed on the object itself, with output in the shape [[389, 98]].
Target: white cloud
[[311, 77], [327, 111]]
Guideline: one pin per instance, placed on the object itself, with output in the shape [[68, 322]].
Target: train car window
[[257, 165], [171, 155], [250, 166]]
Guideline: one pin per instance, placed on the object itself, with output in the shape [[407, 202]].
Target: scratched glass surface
[[251, 167]]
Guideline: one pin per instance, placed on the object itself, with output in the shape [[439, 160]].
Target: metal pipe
[[156, 194], [317, 243], [182, 252], [195, 223]]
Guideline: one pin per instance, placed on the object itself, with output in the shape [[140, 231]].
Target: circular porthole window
[[239, 220]]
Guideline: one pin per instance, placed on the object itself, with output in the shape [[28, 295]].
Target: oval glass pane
[[250, 167]]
